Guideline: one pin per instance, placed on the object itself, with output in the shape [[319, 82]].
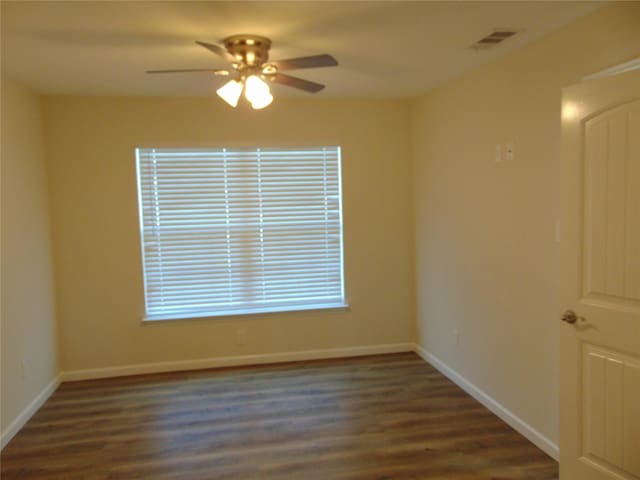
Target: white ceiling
[[385, 48]]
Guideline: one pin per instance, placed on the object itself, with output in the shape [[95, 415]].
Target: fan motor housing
[[250, 50]]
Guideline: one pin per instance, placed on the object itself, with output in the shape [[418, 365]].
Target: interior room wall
[[28, 332], [486, 254], [90, 144]]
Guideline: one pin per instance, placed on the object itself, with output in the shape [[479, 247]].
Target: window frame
[[240, 312]]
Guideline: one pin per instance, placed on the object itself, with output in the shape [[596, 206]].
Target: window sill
[[150, 319]]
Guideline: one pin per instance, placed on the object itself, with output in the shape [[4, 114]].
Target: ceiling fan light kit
[[252, 70], [256, 91]]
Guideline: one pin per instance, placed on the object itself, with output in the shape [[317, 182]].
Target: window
[[245, 230]]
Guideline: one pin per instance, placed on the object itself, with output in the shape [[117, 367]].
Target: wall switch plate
[[509, 151], [24, 371], [455, 337]]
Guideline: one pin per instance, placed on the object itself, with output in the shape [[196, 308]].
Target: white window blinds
[[244, 230]]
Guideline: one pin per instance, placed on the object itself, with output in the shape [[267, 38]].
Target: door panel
[[632, 419], [632, 205], [600, 255], [612, 216], [611, 418]]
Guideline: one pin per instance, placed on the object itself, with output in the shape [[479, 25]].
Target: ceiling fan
[[251, 68]]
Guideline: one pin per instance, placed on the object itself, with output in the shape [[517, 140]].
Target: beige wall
[[28, 320], [91, 145], [486, 260]]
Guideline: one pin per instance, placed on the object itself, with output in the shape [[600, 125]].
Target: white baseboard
[[234, 361], [15, 426], [515, 422]]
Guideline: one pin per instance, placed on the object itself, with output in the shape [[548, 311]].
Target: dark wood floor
[[380, 418]]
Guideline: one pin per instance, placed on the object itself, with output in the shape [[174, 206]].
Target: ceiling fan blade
[[314, 61], [296, 82], [218, 50], [215, 71]]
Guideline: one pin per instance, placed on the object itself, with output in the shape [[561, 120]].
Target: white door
[[600, 352]]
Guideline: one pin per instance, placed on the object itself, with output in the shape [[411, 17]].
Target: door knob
[[570, 317]]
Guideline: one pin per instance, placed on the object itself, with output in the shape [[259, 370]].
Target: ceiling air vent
[[499, 35]]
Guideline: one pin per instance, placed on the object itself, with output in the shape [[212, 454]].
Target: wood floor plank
[[384, 417]]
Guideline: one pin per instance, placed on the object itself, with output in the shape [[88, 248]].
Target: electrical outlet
[[241, 337]]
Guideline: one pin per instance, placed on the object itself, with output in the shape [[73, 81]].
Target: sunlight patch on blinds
[[227, 231]]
